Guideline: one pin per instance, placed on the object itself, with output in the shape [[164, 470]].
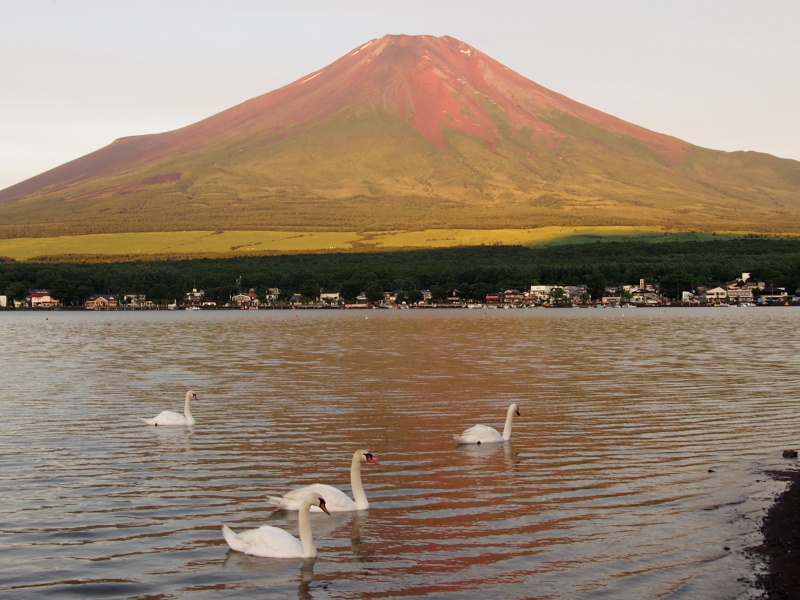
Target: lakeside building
[[135, 300], [513, 297], [245, 300], [101, 302], [331, 298], [743, 291], [193, 299], [540, 293], [42, 299]]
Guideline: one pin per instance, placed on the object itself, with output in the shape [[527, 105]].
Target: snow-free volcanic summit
[[406, 133]]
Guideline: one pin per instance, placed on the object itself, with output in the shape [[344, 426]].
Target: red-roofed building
[[42, 299]]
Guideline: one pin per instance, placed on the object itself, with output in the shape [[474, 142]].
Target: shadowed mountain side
[[406, 132]]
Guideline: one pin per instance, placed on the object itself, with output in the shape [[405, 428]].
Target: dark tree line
[[474, 271]]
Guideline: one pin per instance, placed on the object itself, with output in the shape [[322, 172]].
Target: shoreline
[[780, 549]]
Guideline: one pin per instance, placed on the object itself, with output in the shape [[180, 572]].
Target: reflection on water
[[272, 575], [635, 471]]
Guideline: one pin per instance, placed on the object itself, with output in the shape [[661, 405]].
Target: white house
[[101, 302], [42, 299], [330, 297], [541, 292], [738, 293], [247, 300], [717, 294], [135, 300]]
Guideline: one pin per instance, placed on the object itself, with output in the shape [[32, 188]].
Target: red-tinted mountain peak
[[405, 132]]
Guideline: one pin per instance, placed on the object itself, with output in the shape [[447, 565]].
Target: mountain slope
[[406, 132]]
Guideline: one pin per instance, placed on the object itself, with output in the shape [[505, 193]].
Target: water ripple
[[636, 469]]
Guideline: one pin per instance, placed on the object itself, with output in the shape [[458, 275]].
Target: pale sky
[[77, 74]]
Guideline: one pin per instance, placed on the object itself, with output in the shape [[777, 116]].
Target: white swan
[[481, 434], [273, 542], [335, 499], [168, 417]]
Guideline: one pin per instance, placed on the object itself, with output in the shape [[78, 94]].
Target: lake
[[637, 468]]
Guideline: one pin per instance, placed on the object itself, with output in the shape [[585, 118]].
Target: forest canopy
[[474, 271]]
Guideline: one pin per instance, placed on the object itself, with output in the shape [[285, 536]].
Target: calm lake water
[[636, 470]]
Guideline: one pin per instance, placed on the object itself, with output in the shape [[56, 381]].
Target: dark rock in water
[[790, 454]]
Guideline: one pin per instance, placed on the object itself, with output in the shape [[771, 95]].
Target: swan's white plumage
[[482, 434], [171, 418], [265, 541], [339, 500], [273, 542], [335, 499]]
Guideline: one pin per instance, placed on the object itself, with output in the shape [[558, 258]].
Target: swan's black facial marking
[[322, 505]]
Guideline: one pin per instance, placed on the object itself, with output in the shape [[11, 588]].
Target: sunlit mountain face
[[406, 132]]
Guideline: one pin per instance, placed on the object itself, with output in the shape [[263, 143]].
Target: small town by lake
[[743, 291], [638, 467]]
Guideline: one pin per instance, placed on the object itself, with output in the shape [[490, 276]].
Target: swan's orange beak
[[323, 507], [371, 459]]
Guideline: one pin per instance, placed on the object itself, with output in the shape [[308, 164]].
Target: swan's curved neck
[[359, 495], [187, 410], [306, 540], [509, 423]]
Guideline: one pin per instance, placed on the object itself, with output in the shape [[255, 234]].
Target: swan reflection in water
[[273, 574], [174, 437], [306, 577], [484, 452], [360, 549]]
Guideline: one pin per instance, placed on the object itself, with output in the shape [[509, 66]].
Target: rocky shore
[[781, 546]]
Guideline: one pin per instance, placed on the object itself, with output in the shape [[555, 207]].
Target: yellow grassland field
[[240, 243]]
